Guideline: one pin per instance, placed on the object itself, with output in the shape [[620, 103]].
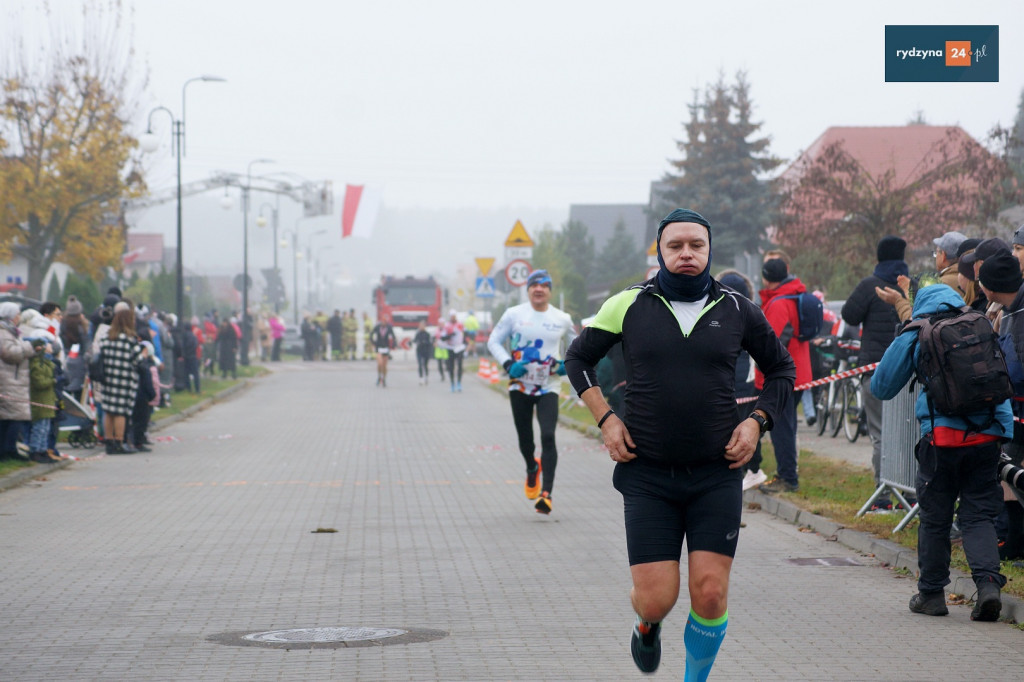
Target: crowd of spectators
[[118, 363]]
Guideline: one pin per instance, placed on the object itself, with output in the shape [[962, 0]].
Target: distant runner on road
[[382, 337]]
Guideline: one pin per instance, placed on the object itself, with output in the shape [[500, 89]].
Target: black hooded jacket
[[877, 318]]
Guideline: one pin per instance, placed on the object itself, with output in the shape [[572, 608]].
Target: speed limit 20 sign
[[517, 271]]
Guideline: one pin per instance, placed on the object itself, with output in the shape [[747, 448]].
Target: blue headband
[[538, 277]]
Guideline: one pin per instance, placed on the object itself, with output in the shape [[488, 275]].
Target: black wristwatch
[[760, 420]]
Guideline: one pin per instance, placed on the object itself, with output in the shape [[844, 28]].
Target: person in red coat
[[784, 318]]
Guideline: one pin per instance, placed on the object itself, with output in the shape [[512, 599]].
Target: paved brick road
[[123, 568]]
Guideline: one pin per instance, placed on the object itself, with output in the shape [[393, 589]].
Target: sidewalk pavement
[[153, 567]]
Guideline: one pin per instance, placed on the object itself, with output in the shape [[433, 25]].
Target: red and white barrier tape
[[820, 382]]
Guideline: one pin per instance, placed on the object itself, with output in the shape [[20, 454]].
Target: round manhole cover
[[318, 635], [328, 637]]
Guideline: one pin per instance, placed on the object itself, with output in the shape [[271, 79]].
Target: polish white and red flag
[[359, 211], [133, 255]]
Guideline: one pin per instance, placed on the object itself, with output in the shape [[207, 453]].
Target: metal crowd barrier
[[898, 469]]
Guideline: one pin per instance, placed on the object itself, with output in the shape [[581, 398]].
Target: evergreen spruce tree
[[722, 174], [568, 255], [620, 258], [84, 289], [53, 291]]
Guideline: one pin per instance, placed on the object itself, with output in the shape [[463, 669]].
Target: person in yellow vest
[[470, 326], [349, 334], [320, 320], [368, 350]]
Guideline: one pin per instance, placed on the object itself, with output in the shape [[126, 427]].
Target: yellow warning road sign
[[485, 265], [653, 251], [518, 236]]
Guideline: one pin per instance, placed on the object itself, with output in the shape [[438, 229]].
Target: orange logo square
[[958, 53]]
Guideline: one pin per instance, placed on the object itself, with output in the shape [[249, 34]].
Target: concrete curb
[[890, 553], [23, 476], [886, 551]]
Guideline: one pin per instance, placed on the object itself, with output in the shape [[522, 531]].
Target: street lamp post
[[295, 267], [318, 276], [261, 221], [309, 266], [149, 143], [246, 322]]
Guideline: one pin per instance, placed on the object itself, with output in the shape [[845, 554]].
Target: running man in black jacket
[[680, 447]]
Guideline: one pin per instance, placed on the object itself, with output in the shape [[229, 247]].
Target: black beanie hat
[[684, 215], [774, 270], [891, 248], [1001, 273], [736, 281]]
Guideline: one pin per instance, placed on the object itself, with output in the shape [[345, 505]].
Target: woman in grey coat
[[15, 353]]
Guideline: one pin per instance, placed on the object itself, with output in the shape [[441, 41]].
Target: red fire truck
[[406, 301]]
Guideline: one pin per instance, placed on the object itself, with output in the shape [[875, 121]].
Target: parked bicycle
[[839, 404]]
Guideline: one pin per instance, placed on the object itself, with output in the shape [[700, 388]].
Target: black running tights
[[547, 417], [455, 365]]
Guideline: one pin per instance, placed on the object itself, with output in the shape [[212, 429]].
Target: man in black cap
[[986, 249], [680, 448], [878, 320], [1002, 282]]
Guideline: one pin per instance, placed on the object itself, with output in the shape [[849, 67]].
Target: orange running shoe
[[543, 505], [532, 487]]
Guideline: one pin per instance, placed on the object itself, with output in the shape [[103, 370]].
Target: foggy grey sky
[[520, 108], [458, 103]]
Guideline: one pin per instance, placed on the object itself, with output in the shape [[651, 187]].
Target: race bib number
[[536, 373]]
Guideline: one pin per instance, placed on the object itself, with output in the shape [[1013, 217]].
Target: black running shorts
[[665, 504]]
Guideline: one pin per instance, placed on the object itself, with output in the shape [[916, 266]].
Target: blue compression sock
[[702, 638]]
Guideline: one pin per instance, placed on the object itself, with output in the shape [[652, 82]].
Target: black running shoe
[[988, 605], [932, 604], [543, 505], [645, 645]]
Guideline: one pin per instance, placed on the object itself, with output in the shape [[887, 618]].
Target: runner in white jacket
[[534, 332]]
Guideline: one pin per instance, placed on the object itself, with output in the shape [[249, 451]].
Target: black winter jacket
[[877, 318], [680, 392]]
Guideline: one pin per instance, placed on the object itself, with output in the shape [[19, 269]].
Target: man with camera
[[1003, 284]]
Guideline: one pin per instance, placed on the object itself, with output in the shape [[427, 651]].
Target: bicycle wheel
[[837, 406], [821, 407], [851, 421]]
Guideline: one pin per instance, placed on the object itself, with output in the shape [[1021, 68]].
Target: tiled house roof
[[879, 149]]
